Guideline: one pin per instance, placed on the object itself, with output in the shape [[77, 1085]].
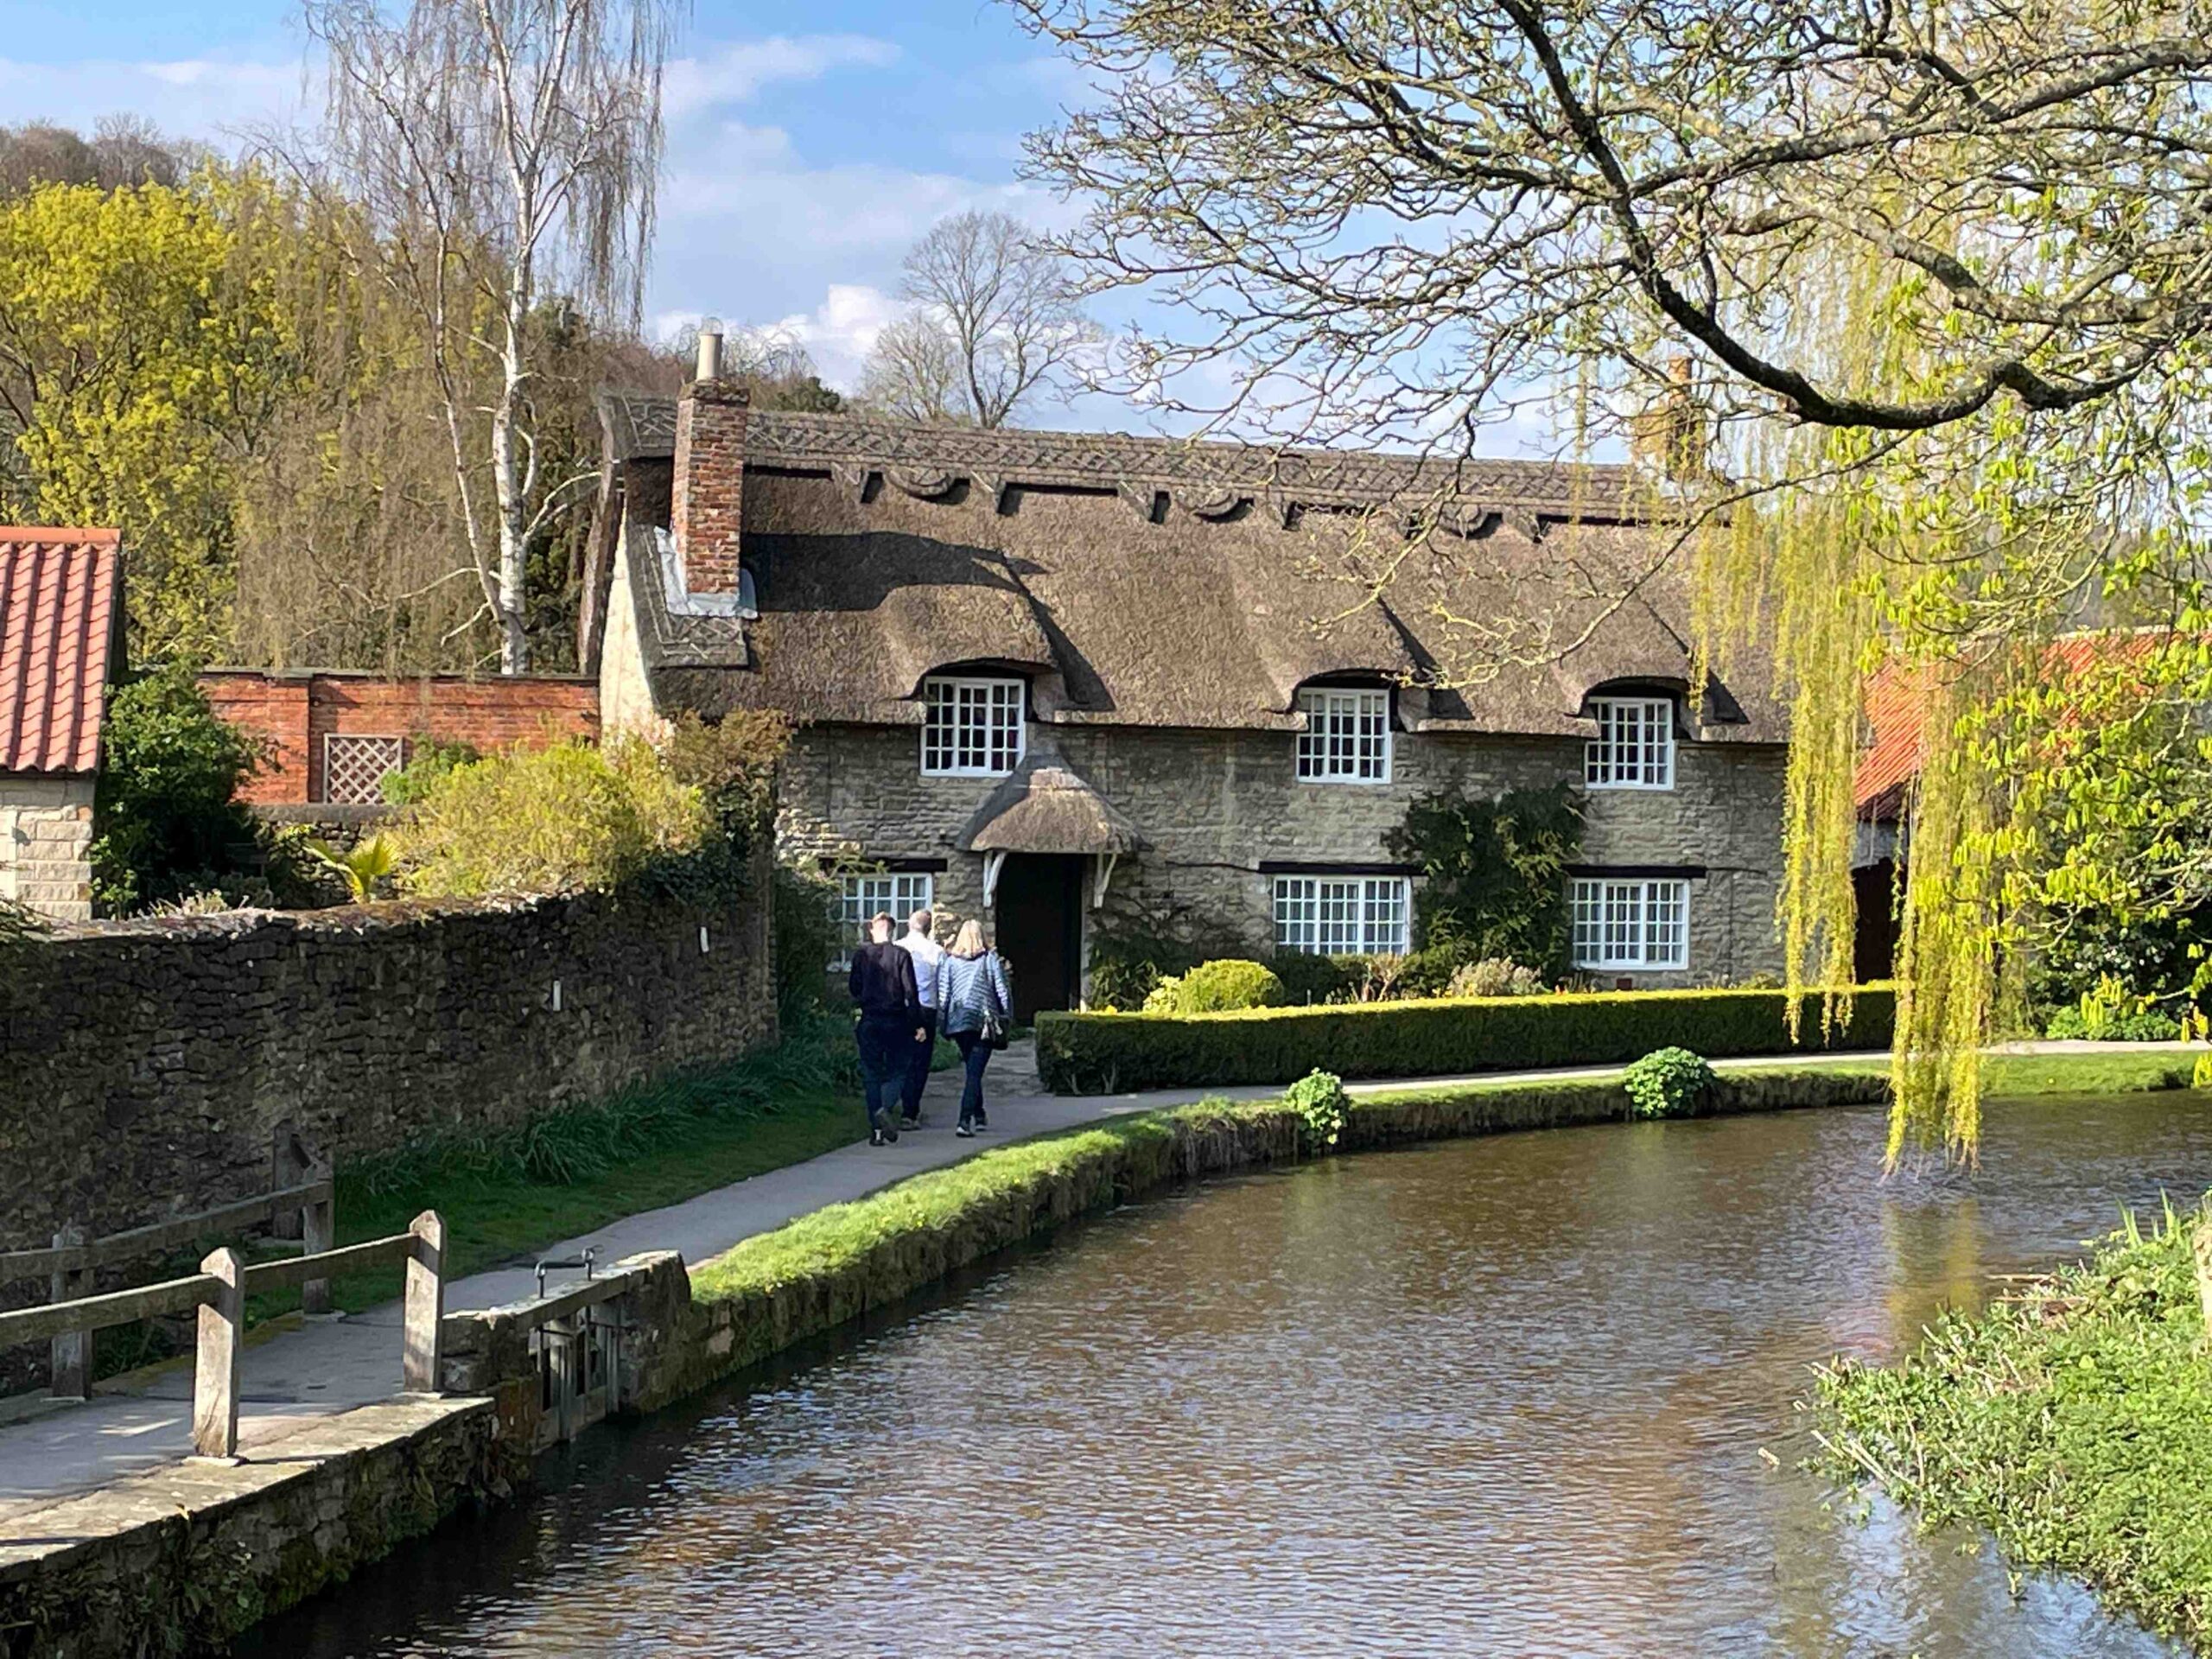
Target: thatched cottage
[[1084, 683]]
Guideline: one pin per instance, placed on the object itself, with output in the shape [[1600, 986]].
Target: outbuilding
[[61, 641]]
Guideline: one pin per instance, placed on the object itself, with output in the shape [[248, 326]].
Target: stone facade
[[46, 836], [151, 1064], [1217, 806]]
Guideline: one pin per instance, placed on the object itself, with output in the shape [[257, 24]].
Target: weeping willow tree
[[1920, 295]]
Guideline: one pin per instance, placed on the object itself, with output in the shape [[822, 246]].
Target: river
[[1525, 1395]]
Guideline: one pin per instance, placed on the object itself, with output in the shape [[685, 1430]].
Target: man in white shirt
[[926, 952]]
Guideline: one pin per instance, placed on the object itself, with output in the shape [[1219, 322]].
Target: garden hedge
[[1109, 1053]]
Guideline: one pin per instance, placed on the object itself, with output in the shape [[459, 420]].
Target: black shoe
[[982, 1123], [965, 1133], [891, 1137], [875, 1136], [913, 1122]]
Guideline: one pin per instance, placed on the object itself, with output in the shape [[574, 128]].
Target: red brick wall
[[707, 509], [295, 711]]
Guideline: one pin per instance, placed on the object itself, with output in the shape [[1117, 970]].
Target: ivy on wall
[[1495, 873]]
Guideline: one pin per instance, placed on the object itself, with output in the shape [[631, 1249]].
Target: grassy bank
[[2072, 1422]]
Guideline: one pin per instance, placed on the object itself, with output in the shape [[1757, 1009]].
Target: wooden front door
[[1040, 913]]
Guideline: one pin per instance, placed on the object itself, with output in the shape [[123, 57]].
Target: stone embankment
[[179, 1560]]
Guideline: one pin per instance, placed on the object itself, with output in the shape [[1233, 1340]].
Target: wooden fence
[[69, 1266], [219, 1291]]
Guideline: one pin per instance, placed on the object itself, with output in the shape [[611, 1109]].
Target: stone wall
[[150, 1063], [46, 832], [1217, 805]]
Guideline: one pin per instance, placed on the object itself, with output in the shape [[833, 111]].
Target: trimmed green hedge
[[1108, 1053]]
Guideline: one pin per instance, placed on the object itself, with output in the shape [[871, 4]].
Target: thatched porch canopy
[[1047, 807]]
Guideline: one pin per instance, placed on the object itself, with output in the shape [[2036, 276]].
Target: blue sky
[[808, 145]]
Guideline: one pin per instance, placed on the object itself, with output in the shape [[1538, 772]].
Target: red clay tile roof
[[58, 605], [1895, 704]]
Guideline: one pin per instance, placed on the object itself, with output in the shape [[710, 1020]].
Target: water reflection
[[1502, 1397]]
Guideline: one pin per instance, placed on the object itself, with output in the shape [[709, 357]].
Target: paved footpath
[[295, 1374]]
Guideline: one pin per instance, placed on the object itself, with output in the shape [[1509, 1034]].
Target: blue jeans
[[886, 1041], [975, 1055]]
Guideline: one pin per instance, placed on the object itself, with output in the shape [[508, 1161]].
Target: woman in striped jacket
[[970, 983]]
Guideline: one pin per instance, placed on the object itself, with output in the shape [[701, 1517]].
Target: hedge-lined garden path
[[296, 1373]]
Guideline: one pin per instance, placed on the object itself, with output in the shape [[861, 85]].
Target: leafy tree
[[166, 820], [142, 355], [1497, 873]]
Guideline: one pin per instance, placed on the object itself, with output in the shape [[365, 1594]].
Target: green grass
[[507, 1193], [2072, 1422], [841, 1235]]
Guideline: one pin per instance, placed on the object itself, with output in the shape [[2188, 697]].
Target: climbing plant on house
[[1495, 873]]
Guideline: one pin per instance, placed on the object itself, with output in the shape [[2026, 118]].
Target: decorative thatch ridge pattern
[[1210, 479]]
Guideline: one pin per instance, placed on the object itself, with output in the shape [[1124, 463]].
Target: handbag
[[993, 1027]]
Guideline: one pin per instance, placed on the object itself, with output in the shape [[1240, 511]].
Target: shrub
[[732, 763], [1128, 965], [1494, 977], [1089, 1052], [1319, 1100], [428, 761], [559, 819], [1307, 978], [2114, 1025], [1216, 986], [166, 817], [1666, 1083]]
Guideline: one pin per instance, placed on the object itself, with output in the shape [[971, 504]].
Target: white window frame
[[1635, 745], [1640, 922], [396, 748], [1346, 737], [1343, 915], [946, 739], [864, 893]]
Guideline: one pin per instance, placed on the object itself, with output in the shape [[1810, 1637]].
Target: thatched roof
[[1156, 581], [1047, 807]]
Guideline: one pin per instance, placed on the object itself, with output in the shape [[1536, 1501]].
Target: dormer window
[[972, 726], [1347, 735], [1635, 745]]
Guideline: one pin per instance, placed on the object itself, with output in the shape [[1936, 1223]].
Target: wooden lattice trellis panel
[[352, 766]]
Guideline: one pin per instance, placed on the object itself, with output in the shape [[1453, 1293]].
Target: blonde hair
[[968, 943]]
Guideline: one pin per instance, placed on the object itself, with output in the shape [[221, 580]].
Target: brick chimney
[[706, 513]]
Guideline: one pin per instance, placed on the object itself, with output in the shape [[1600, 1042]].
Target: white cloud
[[734, 72], [208, 98]]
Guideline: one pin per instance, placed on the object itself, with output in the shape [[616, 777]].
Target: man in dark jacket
[[892, 1022]]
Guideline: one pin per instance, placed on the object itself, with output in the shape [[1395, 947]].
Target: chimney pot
[[710, 349]]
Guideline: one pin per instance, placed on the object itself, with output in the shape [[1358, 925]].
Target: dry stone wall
[[146, 1067]]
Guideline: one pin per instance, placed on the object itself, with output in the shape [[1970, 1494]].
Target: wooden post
[[425, 1307], [71, 1351], [215, 1379], [319, 1230]]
